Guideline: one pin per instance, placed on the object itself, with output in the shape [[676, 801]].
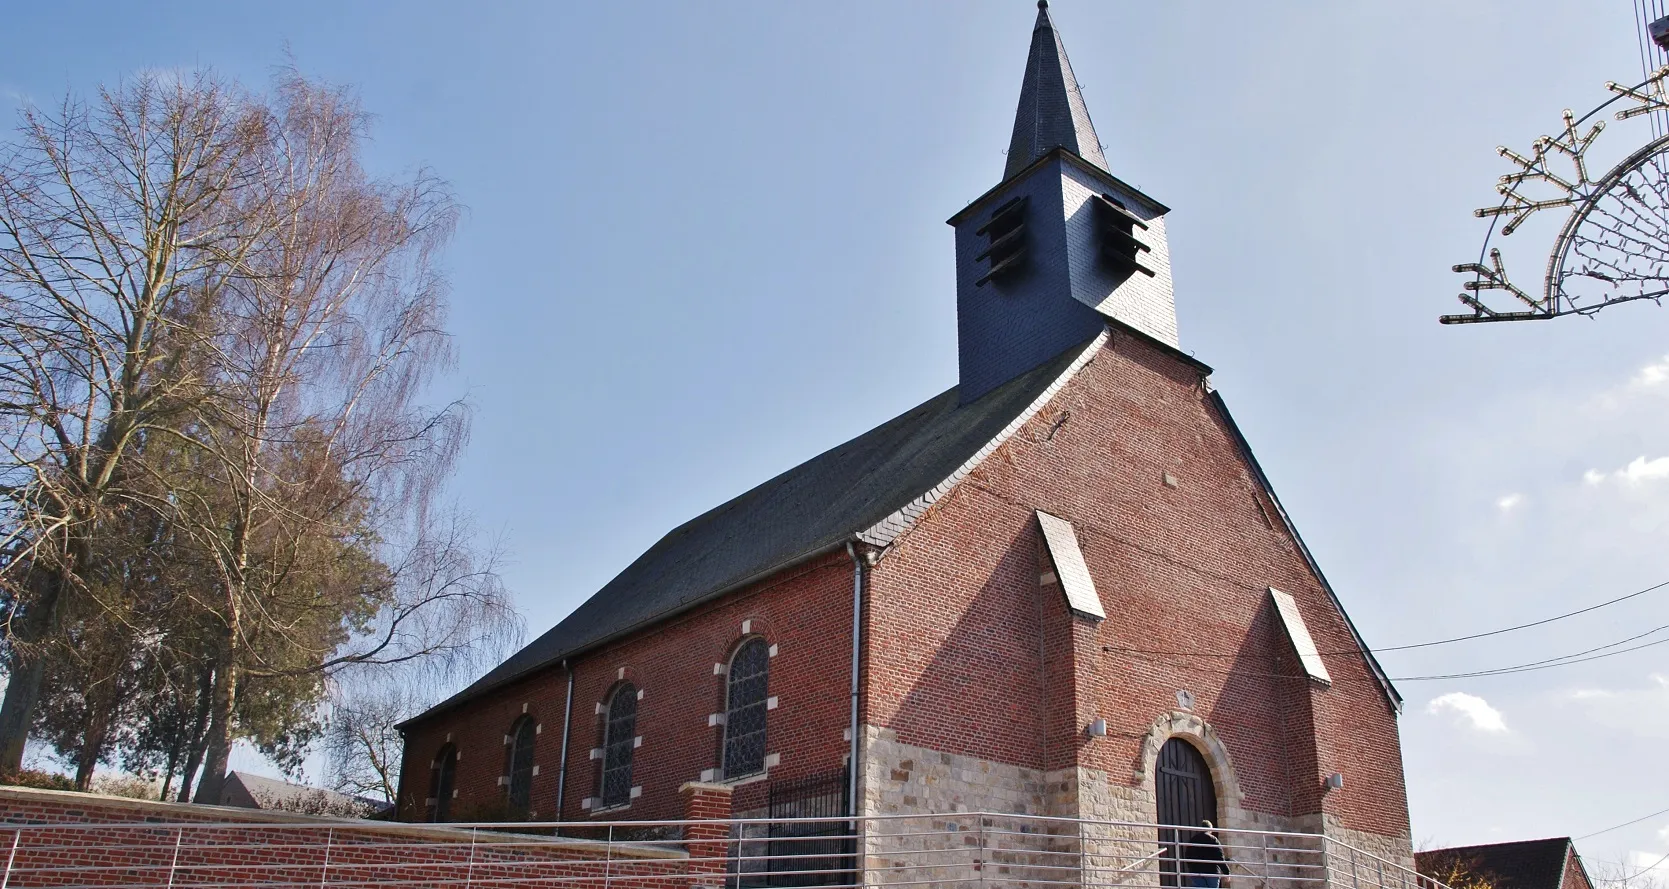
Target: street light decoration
[[1614, 244]]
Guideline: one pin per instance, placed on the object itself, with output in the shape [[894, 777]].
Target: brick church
[[1062, 587]]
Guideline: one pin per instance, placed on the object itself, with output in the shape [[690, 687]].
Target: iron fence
[[952, 851]]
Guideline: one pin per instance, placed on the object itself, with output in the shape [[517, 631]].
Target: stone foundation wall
[[899, 778], [904, 779], [1108, 820], [1373, 868]]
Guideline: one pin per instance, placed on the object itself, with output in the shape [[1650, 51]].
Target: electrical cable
[[1528, 668], [1527, 626], [1624, 824], [1647, 869], [1563, 660], [1454, 639]]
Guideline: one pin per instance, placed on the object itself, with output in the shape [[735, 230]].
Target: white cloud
[[1640, 469], [1632, 712], [1509, 502], [1655, 374], [1471, 709], [1651, 380], [1637, 471]]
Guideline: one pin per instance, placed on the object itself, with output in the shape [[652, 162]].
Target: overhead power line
[[1453, 639], [1645, 870], [1533, 666], [1625, 824], [1536, 623], [1547, 664], [1591, 654]]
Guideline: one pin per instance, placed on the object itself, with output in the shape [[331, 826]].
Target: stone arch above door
[[1194, 730]]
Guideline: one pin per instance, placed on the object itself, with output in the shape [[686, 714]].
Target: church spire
[[1052, 111]]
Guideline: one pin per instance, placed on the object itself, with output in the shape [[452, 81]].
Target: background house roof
[[1527, 864], [247, 791]]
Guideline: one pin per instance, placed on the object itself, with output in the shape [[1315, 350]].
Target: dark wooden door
[[1186, 797]]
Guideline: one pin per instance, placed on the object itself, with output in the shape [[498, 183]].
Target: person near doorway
[[1203, 862]]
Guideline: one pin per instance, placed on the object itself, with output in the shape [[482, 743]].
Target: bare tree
[[115, 226], [361, 743], [318, 464], [209, 311], [1621, 875]]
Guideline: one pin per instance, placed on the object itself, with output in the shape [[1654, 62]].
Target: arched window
[[618, 740], [442, 776], [744, 709], [518, 763]]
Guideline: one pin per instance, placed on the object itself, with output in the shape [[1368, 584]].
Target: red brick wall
[[965, 653], [960, 631], [805, 612], [160, 846], [1576, 877]]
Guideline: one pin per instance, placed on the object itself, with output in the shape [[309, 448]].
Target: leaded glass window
[[441, 781], [744, 711], [519, 763], [618, 741]]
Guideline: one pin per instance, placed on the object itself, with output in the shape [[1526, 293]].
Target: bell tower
[[1061, 245]]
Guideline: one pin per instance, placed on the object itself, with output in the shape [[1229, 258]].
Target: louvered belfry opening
[[1117, 228], [1006, 239], [1186, 797]]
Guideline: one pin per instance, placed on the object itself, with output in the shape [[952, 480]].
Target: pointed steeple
[[1052, 111], [1061, 247]]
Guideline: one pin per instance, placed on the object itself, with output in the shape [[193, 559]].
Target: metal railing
[[963, 850]]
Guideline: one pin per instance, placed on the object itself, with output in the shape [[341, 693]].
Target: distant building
[[1063, 587], [1529, 864], [248, 791]]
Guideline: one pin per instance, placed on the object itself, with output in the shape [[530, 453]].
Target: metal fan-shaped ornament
[[1614, 244]]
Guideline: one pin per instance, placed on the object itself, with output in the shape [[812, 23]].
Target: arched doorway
[[1186, 796]]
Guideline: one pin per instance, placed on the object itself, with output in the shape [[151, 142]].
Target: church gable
[[1182, 544]]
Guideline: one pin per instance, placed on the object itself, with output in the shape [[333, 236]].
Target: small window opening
[[745, 709], [1006, 244], [619, 739], [1117, 227]]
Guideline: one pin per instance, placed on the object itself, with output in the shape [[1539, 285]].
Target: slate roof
[[1052, 112], [1527, 864], [810, 509]]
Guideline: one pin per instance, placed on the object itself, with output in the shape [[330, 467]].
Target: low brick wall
[[58, 839]]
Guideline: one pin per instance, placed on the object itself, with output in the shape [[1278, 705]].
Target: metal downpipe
[[562, 766], [857, 637]]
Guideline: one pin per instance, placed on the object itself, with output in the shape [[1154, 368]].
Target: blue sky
[[706, 241]]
